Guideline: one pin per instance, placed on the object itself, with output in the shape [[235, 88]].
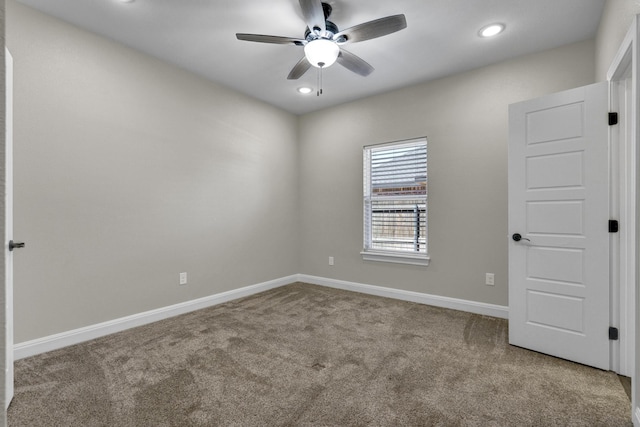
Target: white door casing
[[623, 208], [559, 201], [9, 230]]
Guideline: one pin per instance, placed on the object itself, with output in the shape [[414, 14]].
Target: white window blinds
[[395, 198]]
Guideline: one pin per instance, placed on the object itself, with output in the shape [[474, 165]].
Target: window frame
[[389, 255]]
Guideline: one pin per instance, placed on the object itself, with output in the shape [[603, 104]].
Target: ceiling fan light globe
[[321, 53]]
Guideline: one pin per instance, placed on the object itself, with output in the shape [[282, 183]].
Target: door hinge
[[613, 333], [613, 119], [613, 226]]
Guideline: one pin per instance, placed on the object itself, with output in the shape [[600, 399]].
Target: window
[[395, 202]]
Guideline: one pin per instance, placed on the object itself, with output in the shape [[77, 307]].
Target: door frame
[[623, 207], [8, 232], [3, 314], [624, 143]]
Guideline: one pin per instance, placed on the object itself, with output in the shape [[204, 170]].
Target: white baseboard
[[76, 336], [435, 300]]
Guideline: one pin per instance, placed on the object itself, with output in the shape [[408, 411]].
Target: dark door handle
[[15, 245], [517, 237]]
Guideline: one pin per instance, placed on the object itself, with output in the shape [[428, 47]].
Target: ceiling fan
[[323, 40]]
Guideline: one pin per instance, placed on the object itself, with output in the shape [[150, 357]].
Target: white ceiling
[[440, 39]]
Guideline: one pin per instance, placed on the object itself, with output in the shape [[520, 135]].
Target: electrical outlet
[[330, 260], [489, 279], [183, 278]]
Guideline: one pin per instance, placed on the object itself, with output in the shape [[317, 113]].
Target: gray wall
[[464, 118], [129, 171]]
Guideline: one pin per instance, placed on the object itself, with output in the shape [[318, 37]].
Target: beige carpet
[[304, 355]]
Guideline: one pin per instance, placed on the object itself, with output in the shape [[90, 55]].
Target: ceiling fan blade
[[300, 68], [313, 14], [354, 63], [373, 29], [261, 38]]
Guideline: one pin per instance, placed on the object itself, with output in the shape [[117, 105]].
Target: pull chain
[[319, 91]]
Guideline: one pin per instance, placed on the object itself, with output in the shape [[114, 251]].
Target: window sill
[[396, 258]]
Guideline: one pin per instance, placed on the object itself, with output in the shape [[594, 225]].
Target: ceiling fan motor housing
[[331, 29]]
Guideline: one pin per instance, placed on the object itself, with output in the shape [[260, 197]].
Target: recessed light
[[491, 30], [305, 90]]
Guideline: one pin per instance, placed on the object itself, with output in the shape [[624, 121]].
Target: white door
[[9, 230], [559, 204]]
